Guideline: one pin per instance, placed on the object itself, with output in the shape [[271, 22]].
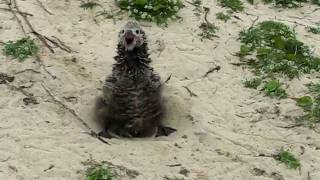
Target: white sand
[[226, 125]]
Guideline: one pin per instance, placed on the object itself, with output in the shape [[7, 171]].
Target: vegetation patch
[[273, 89], [159, 11], [197, 7], [277, 50], [317, 2], [288, 159], [275, 53], [253, 83], [314, 30], [209, 31], [311, 106], [234, 5], [288, 3], [89, 4], [224, 16], [21, 49], [115, 14], [100, 172]]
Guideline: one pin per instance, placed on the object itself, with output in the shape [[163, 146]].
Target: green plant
[[287, 158], [273, 89], [159, 11], [115, 14], [89, 4], [234, 5], [208, 31], [311, 106], [99, 172], [251, 1], [224, 17], [317, 2], [277, 50], [314, 30], [305, 102], [197, 4], [286, 3], [21, 49], [253, 83], [314, 89]]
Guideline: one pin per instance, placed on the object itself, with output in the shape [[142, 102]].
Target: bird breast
[[134, 98]]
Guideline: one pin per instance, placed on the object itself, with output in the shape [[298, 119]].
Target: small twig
[[33, 31], [29, 97], [302, 150], [206, 12], [44, 8], [71, 111], [70, 98], [41, 37], [9, 3], [308, 175], [27, 14], [316, 9], [190, 3], [237, 17], [238, 64], [217, 68], [50, 167], [294, 22], [63, 44], [240, 116], [16, 17], [26, 70], [59, 44], [168, 79], [265, 155], [254, 21], [291, 126], [174, 165], [26, 86], [44, 67], [5, 160], [192, 94]]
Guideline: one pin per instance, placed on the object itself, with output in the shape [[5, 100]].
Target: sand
[[222, 129]]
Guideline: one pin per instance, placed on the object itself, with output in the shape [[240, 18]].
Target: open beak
[[129, 38]]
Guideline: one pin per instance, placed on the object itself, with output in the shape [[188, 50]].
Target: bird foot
[[165, 131], [105, 134], [116, 133]]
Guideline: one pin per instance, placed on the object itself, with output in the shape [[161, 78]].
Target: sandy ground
[[221, 130]]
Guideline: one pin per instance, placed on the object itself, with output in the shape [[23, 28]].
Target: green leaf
[[304, 101], [156, 8], [244, 50], [141, 2], [288, 159], [272, 85], [279, 42]]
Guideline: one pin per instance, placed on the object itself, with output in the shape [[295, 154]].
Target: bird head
[[131, 36]]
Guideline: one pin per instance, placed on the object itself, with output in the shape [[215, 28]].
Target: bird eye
[[138, 31], [122, 31]]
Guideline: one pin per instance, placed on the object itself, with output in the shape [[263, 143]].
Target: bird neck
[[135, 61]]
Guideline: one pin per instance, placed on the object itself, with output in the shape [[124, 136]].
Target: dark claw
[[104, 134], [165, 131]]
